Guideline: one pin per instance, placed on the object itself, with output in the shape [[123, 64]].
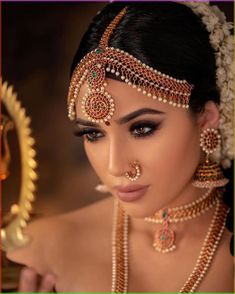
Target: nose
[[118, 158]]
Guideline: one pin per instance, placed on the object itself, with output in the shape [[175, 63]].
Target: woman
[[147, 99]]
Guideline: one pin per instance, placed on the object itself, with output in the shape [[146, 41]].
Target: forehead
[[126, 99]]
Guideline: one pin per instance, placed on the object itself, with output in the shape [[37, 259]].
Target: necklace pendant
[[164, 238]]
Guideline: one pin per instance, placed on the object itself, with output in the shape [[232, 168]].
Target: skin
[[171, 150], [30, 281], [168, 158]]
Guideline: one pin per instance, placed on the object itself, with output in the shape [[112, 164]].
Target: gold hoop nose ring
[[135, 171]]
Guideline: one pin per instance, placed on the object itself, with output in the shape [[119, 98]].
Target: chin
[[139, 210]]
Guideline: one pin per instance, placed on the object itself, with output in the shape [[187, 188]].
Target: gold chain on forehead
[[97, 104], [104, 41]]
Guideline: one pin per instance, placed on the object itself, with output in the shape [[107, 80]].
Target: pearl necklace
[[164, 237], [120, 249]]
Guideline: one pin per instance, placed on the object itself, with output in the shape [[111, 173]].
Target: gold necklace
[[120, 249], [164, 238]]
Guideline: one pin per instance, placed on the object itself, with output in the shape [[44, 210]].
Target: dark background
[[38, 44]]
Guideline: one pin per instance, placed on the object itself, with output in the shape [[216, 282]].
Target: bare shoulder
[[50, 236]]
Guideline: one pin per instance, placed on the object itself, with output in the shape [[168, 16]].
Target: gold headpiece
[[97, 104]]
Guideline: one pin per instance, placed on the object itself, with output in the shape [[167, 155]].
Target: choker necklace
[[164, 238], [208, 250]]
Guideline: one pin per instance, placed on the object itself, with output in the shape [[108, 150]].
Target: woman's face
[[164, 139]]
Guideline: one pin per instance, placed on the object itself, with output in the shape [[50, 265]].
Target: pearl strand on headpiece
[[125, 63], [144, 80]]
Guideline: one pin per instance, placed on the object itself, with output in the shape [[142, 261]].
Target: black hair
[[155, 33], [167, 36]]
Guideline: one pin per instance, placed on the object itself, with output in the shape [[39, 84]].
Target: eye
[[91, 135], [142, 129]]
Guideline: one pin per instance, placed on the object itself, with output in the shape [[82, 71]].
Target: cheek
[[176, 155], [94, 154], [91, 154]]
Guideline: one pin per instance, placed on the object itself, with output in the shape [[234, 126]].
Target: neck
[[187, 195], [191, 226]]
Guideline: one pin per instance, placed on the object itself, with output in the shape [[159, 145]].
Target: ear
[[209, 118]]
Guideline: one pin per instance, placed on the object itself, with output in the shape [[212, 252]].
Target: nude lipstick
[[131, 192]]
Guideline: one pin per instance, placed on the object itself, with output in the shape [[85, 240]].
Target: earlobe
[[209, 118]]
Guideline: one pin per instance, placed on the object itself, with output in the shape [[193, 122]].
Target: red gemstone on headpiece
[[97, 106]]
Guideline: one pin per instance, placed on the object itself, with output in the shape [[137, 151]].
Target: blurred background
[[39, 41]]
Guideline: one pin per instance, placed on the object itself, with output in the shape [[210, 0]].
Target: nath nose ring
[[135, 171]]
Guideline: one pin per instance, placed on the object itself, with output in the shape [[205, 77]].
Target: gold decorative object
[[16, 219], [6, 126]]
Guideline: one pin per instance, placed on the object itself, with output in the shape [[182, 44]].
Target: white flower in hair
[[223, 43], [220, 14]]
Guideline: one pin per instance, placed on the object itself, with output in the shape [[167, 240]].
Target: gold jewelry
[[97, 104], [165, 237], [205, 258], [119, 250], [135, 173], [209, 173]]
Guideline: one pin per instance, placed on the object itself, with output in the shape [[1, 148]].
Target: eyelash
[[136, 126]]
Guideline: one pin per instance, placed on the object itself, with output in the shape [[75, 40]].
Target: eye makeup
[[91, 135], [144, 128], [137, 130]]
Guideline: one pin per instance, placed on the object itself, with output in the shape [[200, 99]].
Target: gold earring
[[135, 173], [209, 173]]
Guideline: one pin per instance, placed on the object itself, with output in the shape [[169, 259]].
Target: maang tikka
[[97, 104]]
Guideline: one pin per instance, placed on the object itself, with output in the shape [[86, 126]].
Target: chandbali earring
[[135, 171], [209, 173]]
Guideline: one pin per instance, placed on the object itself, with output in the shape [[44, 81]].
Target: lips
[[131, 192]]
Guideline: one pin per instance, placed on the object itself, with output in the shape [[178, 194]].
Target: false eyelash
[[80, 133], [83, 132], [153, 126]]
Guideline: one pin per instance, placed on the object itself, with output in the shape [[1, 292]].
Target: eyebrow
[[123, 119], [137, 113]]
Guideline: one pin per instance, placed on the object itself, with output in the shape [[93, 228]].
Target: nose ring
[[135, 171]]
